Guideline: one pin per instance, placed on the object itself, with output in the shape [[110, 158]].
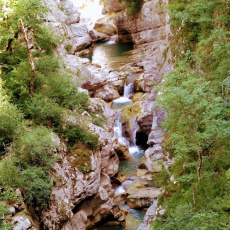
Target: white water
[[119, 190], [118, 130], [124, 100], [112, 39]]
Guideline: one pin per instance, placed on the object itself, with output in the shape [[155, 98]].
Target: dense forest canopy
[[196, 99]]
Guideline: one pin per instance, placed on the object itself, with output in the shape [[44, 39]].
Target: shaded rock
[[80, 36], [144, 27], [121, 177], [150, 216], [106, 25], [97, 36], [137, 96], [139, 83], [141, 197], [157, 134], [100, 77], [122, 150], [98, 207], [63, 19]]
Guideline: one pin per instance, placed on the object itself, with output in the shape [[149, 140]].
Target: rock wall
[[79, 201], [148, 30]]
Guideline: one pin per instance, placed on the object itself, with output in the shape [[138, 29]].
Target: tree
[[198, 124]]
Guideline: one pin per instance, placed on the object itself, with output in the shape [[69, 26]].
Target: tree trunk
[[199, 165], [30, 57]]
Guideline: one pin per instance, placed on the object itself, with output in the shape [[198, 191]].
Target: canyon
[[89, 200]]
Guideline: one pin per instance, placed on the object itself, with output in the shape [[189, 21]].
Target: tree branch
[[30, 57]]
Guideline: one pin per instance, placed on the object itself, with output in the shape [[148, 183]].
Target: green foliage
[[10, 121], [68, 47], [4, 211], [198, 124], [10, 195], [29, 168], [34, 148], [43, 110], [37, 187], [9, 174], [134, 6], [45, 39], [75, 133], [28, 151], [81, 157]]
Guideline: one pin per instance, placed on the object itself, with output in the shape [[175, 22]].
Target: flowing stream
[[114, 55], [128, 167]]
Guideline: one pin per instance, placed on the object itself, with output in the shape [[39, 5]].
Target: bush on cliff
[[27, 148], [196, 99], [133, 6]]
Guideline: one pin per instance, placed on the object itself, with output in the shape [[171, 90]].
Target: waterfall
[[134, 150], [112, 39], [118, 130], [128, 90], [135, 128], [124, 100]]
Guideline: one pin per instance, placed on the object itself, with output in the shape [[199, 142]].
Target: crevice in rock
[[142, 139], [78, 206]]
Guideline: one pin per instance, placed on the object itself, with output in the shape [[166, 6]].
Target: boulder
[[114, 6], [150, 216], [137, 96], [139, 196], [107, 93], [80, 36], [152, 161], [21, 223], [106, 26], [122, 150]]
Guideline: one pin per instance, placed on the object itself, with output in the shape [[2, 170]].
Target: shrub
[[65, 93], [45, 39], [82, 157], [68, 47], [134, 6], [9, 174], [34, 148], [37, 187], [76, 133], [10, 121], [42, 110], [4, 211]]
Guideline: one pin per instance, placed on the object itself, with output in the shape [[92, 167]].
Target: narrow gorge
[[87, 141], [114, 57]]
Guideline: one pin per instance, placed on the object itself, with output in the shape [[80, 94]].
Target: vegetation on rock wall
[[134, 6], [196, 99], [27, 119]]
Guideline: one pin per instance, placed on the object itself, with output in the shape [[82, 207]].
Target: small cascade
[[128, 90], [134, 150], [112, 39], [118, 130], [125, 99], [135, 128]]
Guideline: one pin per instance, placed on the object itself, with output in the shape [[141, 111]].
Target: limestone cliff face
[[78, 201]]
